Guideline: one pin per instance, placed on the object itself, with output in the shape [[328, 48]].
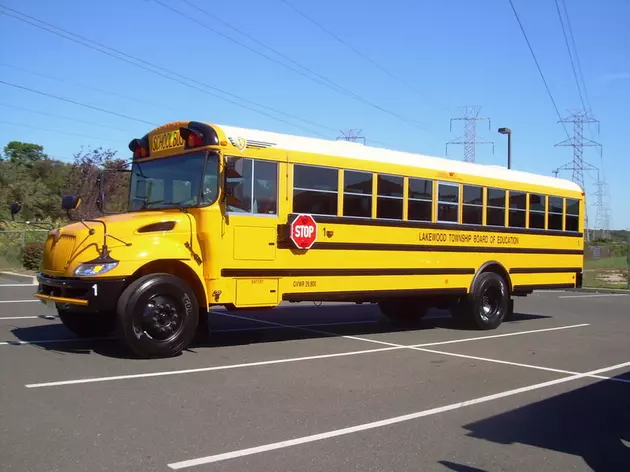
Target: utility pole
[[578, 142], [352, 135], [469, 140]]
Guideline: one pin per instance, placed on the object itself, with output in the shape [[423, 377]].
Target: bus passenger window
[[572, 218], [265, 188], [554, 216], [389, 203], [536, 211], [473, 205], [518, 209], [448, 202], [315, 190], [357, 195], [495, 210], [420, 200]]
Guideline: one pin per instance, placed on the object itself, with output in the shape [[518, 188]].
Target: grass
[[618, 262], [610, 272]]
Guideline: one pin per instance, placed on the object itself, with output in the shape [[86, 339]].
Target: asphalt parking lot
[[331, 387]]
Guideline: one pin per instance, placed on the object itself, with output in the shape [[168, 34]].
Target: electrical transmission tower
[[351, 135], [469, 140], [602, 213], [578, 142]]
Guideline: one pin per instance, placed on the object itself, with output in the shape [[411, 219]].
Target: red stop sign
[[303, 231]]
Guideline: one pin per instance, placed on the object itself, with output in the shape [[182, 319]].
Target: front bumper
[[78, 294]]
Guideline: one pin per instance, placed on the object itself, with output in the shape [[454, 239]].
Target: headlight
[[90, 269]]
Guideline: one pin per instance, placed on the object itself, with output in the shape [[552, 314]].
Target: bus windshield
[[174, 182]]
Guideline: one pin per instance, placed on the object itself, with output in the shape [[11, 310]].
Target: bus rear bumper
[[80, 295]]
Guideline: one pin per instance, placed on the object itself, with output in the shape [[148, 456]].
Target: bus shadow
[[590, 422], [255, 327]]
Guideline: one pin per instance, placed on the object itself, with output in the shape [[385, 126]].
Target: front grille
[[57, 255]]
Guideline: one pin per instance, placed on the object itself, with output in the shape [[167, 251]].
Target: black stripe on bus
[[544, 270], [369, 295], [430, 248], [342, 272], [339, 220]]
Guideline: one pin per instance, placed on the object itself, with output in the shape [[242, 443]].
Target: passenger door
[[252, 219]]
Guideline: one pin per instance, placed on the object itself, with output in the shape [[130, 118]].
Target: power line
[[88, 87], [357, 52], [92, 123], [539, 69], [25, 125], [168, 71], [577, 56], [78, 103], [566, 41], [328, 83]]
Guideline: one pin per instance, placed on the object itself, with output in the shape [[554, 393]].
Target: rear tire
[[87, 325], [158, 315], [487, 305]]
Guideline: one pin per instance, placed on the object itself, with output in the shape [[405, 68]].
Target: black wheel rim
[[162, 318], [490, 306]]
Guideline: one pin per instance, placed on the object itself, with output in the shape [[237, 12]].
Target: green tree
[[25, 154]]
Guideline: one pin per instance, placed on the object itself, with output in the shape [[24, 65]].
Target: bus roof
[[359, 151]]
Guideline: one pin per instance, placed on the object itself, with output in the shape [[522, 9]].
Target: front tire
[[158, 315], [88, 325]]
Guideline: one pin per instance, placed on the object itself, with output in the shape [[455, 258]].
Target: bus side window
[[536, 211], [518, 209], [495, 209], [241, 200], [265, 188], [572, 217], [555, 213]]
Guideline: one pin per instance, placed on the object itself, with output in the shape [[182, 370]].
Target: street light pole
[[508, 131]]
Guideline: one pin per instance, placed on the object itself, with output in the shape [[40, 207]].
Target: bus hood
[[131, 237]]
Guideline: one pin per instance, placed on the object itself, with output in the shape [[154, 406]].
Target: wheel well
[[179, 269], [495, 267]]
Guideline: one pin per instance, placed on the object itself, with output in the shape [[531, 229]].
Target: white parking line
[[18, 285], [43, 317], [20, 301], [593, 295], [50, 341], [517, 364], [391, 347], [385, 422], [438, 343]]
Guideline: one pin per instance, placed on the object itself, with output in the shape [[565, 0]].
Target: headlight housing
[[91, 269]]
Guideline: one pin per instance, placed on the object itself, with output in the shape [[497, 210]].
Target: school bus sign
[[303, 231]]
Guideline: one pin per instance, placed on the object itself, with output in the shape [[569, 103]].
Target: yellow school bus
[[242, 218]]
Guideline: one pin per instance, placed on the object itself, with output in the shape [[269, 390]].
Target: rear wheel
[[158, 315], [487, 305], [87, 325]]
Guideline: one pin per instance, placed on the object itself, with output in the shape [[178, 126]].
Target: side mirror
[[15, 208], [70, 202]]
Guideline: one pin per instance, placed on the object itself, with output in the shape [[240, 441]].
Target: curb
[[26, 279], [599, 290]]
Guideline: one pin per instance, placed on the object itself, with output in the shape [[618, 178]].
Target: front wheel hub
[[162, 318]]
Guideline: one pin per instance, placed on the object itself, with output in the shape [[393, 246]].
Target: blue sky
[[451, 53]]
